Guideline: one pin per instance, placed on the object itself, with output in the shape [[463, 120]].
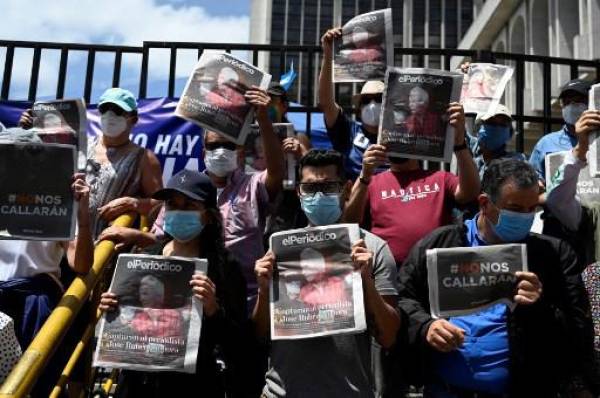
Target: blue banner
[[176, 142]]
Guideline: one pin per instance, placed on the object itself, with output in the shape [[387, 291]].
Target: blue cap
[[193, 184], [120, 97]]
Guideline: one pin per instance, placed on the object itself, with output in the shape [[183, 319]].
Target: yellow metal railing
[[27, 371]]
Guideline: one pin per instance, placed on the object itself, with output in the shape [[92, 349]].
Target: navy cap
[[577, 85], [193, 184]]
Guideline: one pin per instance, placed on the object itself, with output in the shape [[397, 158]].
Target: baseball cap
[[500, 110], [193, 184], [577, 85], [120, 97], [371, 87], [277, 90]]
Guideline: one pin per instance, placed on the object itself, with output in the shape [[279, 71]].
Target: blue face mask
[[493, 137], [513, 226], [321, 209], [183, 225]]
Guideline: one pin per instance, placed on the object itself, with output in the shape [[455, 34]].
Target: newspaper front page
[[255, 154], [365, 49], [213, 97], [483, 87], [464, 280], [414, 120], [315, 290], [63, 122], [36, 200], [594, 152], [588, 187], [158, 321]]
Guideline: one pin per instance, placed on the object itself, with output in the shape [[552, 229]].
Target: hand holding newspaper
[[213, 97], [158, 321], [366, 48], [315, 290], [464, 280], [588, 187]]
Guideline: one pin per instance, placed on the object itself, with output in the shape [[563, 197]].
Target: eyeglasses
[[117, 110], [327, 187], [211, 146]]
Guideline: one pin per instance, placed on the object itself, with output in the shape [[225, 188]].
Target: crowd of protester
[[549, 346]]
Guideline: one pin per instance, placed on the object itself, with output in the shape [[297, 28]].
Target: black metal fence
[[418, 58]]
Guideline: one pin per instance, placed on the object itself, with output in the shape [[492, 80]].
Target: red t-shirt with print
[[404, 207]]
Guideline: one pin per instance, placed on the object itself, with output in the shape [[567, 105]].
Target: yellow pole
[[66, 373], [111, 380], [27, 371]]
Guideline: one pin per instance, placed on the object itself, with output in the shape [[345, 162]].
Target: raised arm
[[271, 144], [260, 315], [80, 251], [468, 178], [327, 102]]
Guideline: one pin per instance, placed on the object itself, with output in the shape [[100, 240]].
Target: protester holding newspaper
[[347, 136], [405, 203], [193, 227], [494, 130], [337, 365], [573, 101], [531, 351]]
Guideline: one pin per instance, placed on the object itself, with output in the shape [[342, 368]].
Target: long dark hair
[[212, 247]]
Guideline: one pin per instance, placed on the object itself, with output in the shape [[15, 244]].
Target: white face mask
[[572, 112], [112, 125], [221, 161], [369, 114]]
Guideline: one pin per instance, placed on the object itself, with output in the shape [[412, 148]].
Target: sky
[[117, 22]]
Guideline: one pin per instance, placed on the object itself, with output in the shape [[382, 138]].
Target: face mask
[[572, 112], [183, 225], [493, 137], [369, 114], [221, 161], [513, 226], [321, 209], [112, 125]]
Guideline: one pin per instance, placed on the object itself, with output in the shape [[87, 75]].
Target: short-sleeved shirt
[[331, 366], [557, 141], [350, 139], [482, 166], [403, 207], [28, 258]]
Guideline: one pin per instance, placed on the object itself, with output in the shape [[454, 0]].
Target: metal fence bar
[[35, 73], [62, 73], [144, 71], [89, 75], [546, 94], [8, 65], [117, 69], [520, 137], [172, 69]]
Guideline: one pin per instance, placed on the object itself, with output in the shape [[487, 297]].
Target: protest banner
[[464, 280], [214, 98], [365, 49], [36, 201], [594, 151], [158, 321], [588, 187], [255, 155], [483, 87], [315, 290], [63, 122], [414, 120]]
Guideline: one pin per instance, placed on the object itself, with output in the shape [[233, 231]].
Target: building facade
[[416, 23]]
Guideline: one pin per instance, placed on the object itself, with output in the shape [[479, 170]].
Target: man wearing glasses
[[338, 365]]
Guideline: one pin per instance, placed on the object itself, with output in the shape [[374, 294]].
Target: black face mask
[[398, 160]]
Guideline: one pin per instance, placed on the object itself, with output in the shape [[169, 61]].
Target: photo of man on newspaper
[[415, 122]]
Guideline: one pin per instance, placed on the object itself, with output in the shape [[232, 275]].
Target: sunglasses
[[117, 110], [366, 99], [211, 146], [327, 187]]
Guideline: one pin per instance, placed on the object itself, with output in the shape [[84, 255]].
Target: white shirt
[[27, 258]]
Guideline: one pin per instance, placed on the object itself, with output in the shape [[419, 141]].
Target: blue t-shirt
[[481, 363], [348, 137], [557, 141]]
